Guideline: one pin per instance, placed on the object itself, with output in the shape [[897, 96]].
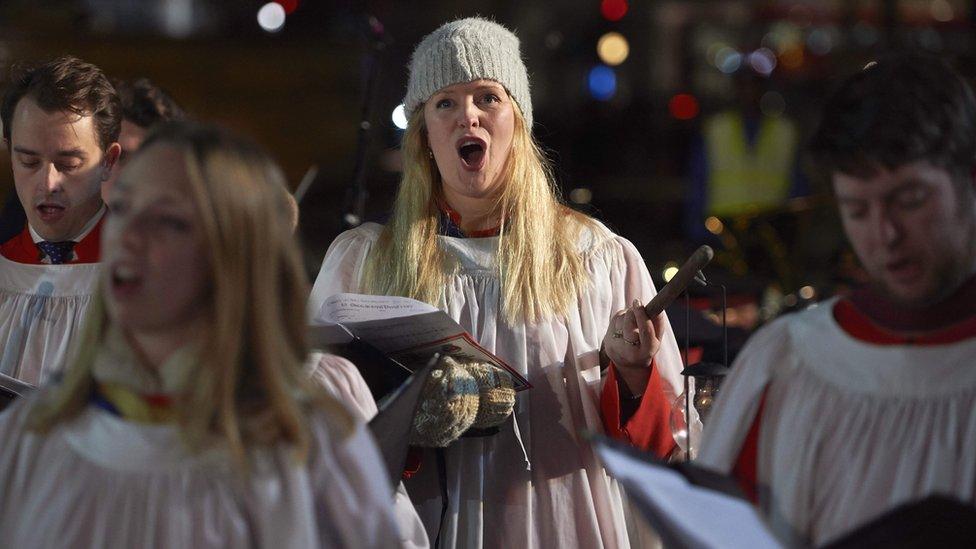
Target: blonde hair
[[249, 385], [539, 265]]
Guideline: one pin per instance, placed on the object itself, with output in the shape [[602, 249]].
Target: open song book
[[407, 331], [690, 506]]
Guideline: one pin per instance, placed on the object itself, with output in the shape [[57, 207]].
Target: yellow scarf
[[135, 391]]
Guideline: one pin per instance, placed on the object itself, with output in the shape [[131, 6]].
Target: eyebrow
[[494, 87], [907, 184], [72, 153], [901, 187], [22, 150], [123, 189]]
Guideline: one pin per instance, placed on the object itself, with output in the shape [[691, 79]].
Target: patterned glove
[[448, 406], [497, 397]]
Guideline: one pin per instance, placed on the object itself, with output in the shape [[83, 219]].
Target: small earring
[[430, 154]]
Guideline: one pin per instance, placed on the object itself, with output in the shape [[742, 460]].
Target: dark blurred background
[[622, 92]]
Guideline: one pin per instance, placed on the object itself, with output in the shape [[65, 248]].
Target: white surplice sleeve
[[342, 267], [350, 487], [635, 283], [342, 379], [648, 428], [767, 351]]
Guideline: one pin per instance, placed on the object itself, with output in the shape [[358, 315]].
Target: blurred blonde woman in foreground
[[187, 420]]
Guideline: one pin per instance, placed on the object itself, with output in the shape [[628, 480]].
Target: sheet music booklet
[[407, 331]]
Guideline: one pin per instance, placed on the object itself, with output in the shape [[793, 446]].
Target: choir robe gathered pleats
[[536, 483], [829, 420]]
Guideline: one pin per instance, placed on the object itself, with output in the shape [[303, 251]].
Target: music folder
[[688, 506], [391, 426], [691, 506]]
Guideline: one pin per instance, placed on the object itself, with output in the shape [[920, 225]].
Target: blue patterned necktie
[[57, 252]]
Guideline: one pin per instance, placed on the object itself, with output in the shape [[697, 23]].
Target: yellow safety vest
[[744, 178]]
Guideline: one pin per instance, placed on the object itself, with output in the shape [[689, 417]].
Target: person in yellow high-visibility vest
[[747, 175], [744, 161]]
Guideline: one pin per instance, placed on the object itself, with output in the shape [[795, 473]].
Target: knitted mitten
[[496, 394], [448, 406]]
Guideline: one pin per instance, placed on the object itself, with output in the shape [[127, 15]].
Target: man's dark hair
[[145, 104], [902, 109], [67, 84]]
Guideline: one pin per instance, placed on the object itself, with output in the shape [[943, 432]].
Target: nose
[[469, 115], [889, 228], [53, 180]]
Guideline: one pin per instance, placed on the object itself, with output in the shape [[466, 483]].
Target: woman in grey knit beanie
[[478, 229]]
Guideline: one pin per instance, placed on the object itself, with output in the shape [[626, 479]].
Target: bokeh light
[[714, 225], [613, 48], [712, 52], [581, 195], [400, 117], [822, 40], [728, 60], [683, 106], [763, 61], [602, 82], [613, 10], [289, 5], [942, 11], [792, 58], [271, 17], [670, 269]]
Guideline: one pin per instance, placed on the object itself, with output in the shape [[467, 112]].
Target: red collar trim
[[455, 218], [860, 326], [22, 249], [956, 308]]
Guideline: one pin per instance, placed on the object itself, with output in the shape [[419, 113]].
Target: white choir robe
[[566, 498], [42, 310], [100, 481], [341, 378], [849, 429]]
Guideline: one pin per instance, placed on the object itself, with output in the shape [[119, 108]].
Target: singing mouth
[[471, 150], [125, 279], [903, 270], [50, 212]]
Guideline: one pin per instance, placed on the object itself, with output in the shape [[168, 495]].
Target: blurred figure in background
[[835, 415], [61, 123], [745, 160], [144, 105], [187, 420]]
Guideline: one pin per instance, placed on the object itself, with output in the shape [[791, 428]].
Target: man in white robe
[[835, 415], [61, 121]]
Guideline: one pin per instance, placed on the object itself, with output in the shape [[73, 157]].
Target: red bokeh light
[[289, 5], [683, 106], [613, 10]]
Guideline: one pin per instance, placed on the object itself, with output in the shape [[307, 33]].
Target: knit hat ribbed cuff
[[463, 51]]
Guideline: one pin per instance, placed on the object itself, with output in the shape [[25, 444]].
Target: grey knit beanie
[[466, 50]]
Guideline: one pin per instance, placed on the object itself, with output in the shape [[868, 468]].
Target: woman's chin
[[477, 185]]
